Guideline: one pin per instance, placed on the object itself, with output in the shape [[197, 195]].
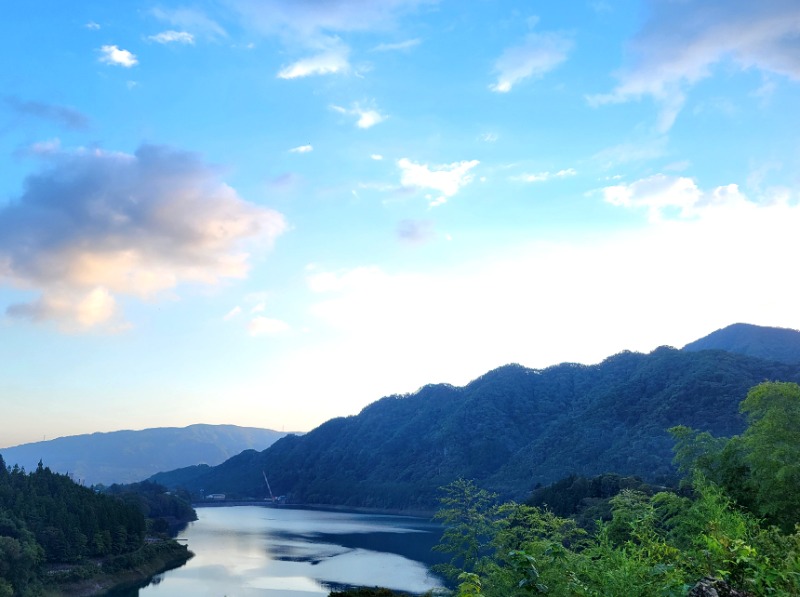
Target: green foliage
[[467, 513], [759, 470], [655, 544], [772, 450]]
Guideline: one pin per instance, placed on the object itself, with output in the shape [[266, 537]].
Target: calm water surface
[[246, 551]]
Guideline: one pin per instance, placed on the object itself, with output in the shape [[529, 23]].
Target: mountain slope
[[509, 430], [772, 344], [128, 456]]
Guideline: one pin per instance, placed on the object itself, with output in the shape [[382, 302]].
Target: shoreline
[[428, 514], [159, 557]]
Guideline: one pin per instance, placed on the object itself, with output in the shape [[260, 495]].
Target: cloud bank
[[97, 225]]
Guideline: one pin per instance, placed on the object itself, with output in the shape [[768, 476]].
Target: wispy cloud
[[170, 37], [62, 115], [117, 57], [398, 46], [538, 55], [92, 25], [233, 313], [545, 176], [190, 19], [681, 43], [330, 61], [96, 225], [446, 179]]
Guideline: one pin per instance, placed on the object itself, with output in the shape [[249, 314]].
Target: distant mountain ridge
[[770, 343], [509, 430], [129, 456]]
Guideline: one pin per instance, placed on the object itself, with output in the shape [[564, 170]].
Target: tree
[[772, 450], [465, 513]]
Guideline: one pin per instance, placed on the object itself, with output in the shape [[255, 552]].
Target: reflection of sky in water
[[247, 551]]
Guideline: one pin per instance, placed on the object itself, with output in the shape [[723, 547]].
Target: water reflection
[[249, 550]]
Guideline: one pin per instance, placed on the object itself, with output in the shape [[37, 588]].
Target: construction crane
[[271, 496]]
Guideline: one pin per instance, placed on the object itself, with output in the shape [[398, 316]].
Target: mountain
[[509, 430], [128, 456], [772, 344]]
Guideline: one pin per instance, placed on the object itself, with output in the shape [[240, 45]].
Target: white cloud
[[115, 56], [96, 225], [402, 45], [489, 137], [167, 37], [302, 149], [265, 326], [545, 176], [683, 41], [664, 196], [92, 25], [366, 117], [376, 156], [540, 54], [332, 60], [446, 179]]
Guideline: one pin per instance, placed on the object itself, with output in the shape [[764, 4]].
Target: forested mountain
[[510, 430], [129, 456], [772, 344]]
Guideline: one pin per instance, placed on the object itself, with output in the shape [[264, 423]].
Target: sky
[[271, 213]]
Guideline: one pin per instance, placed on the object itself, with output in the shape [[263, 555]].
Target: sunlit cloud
[[117, 57], [446, 179], [92, 25], [616, 291], [97, 225]]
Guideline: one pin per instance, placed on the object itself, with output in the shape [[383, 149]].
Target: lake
[[260, 551]]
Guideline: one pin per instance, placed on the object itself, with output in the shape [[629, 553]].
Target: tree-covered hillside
[[510, 430], [55, 533], [772, 344]]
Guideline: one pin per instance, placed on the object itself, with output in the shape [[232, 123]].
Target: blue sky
[[274, 212]]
